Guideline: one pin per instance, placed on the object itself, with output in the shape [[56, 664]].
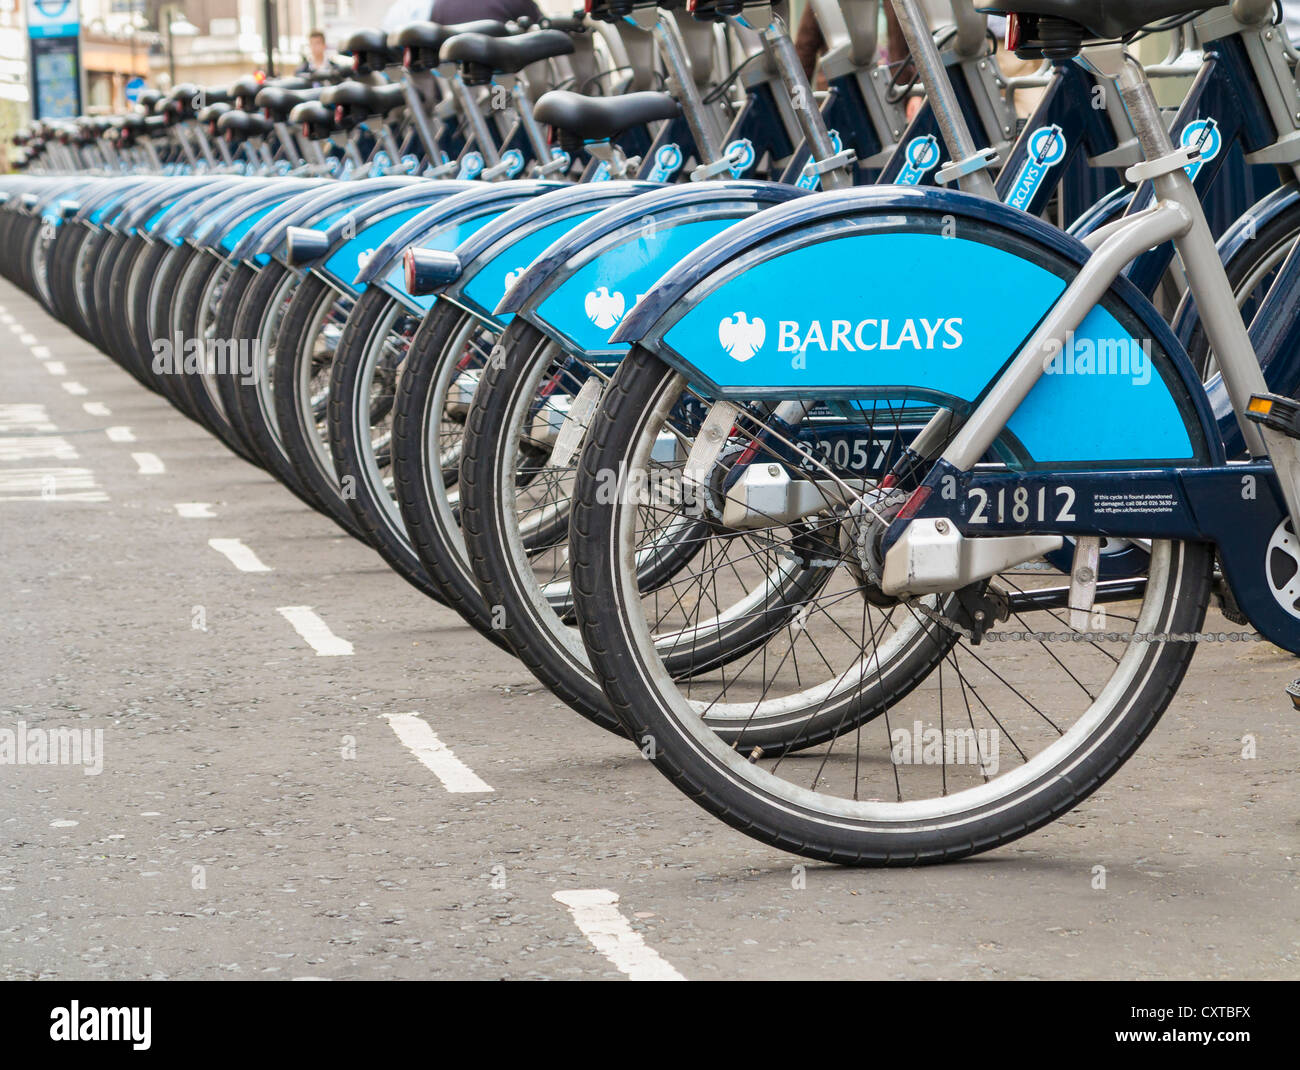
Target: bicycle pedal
[[1293, 689], [1276, 413]]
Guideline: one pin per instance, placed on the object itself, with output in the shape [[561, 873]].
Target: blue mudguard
[[171, 225], [96, 201], [885, 293], [579, 289], [353, 231], [493, 258], [104, 209], [320, 199], [444, 226], [221, 230]]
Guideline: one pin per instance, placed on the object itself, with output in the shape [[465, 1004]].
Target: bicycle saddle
[[238, 126], [314, 119], [276, 102], [244, 92], [354, 102], [601, 118], [482, 56], [422, 42], [1104, 19], [370, 51], [208, 116], [146, 100]]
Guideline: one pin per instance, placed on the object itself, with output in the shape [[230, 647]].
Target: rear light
[[408, 270], [338, 113], [406, 57], [306, 130], [1015, 33], [914, 504], [586, 7], [356, 61]]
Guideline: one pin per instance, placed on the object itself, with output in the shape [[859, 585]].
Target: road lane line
[[315, 631], [36, 448], [239, 555], [25, 416], [96, 408], [119, 434], [434, 754], [56, 367], [28, 339], [50, 485], [595, 910], [195, 510], [75, 388], [149, 464], [41, 352]]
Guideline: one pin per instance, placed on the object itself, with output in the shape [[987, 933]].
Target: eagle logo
[[741, 336], [604, 309]]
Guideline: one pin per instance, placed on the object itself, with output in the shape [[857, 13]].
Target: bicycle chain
[[1086, 637]]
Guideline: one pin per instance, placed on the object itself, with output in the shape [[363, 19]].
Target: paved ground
[[260, 815]]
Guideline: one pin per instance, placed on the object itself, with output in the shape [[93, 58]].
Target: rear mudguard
[[322, 198], [94, 201], [113, 212], [352, 234], [500, 252], [886, 293], [444, 226], [221, 230], [146, 214], [104, 208], [173, 224], [578, 290]]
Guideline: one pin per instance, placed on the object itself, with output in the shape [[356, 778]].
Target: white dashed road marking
[[435, 755], [75, 388], [50, 484], [97, 408], [36, 448], [41, 352], [149, 464], [194, 510], [240, 555], [56, 367], [315, 631], [119, 434], [21, 416], [596, 912]]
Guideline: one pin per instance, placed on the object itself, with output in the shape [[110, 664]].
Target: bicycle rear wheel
[[946, 746]]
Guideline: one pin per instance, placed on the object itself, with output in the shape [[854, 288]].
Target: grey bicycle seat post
[[781, 50], [419, 116], [469, 110], [942, 96], [681, 82]]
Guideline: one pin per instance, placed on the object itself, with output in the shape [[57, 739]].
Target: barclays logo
[[603, 308], [741, 336], [869, 335]]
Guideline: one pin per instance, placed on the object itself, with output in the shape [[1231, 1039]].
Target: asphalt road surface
[[309, 770]]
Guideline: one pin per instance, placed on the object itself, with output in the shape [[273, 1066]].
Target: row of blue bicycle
[[873, 475]]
